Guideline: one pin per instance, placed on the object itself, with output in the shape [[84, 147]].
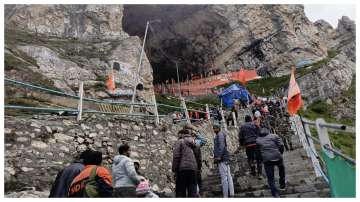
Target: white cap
[[257, 114]]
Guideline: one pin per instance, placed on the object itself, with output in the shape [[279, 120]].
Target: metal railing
[[81, 98], [302, 127], [324, 139]]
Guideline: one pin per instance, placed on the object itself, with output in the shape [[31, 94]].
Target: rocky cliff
[[333, 76], [204, 37], [61, 45], [270, 38]]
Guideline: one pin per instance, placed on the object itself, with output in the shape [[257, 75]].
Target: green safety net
[[342, 176]]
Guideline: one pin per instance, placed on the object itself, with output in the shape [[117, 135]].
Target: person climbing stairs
[[301, 180]]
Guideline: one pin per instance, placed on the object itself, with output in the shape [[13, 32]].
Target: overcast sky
[[330, 13]]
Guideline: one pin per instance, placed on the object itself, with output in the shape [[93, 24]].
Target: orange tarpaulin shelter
[[245, 75], [294, 95], [204, 85]]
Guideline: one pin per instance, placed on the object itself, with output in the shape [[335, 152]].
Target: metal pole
[[207, 112], [157, 120], [81, 92], [312, 152], [185, 110], [223, 119], [235, 120], [138, 70], [324, 137], [178, 80]]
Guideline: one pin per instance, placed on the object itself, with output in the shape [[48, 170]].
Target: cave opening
[[162, 50]]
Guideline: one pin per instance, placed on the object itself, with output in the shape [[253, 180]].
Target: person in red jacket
[[94, 180]]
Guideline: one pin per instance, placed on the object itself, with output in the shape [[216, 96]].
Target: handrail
[[170, 106], [337, 152], [210, 105], [194, 110], [73, 110], [57, 92], [336, 127], [41, 108], [72, 96]]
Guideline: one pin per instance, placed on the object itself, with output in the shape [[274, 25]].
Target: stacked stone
[[37, 147]]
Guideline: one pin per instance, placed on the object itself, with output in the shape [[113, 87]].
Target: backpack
[[86, 188], [143, 188]]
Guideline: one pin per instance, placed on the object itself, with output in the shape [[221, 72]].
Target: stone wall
[[37, 147]]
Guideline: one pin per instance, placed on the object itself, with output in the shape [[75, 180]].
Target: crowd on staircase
[[258, 135]]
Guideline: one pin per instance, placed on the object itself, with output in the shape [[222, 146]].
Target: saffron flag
[[110, 83], [294, 95]]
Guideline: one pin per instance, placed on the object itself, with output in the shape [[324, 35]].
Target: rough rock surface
[[37, 147], [66, 44], [266, 37], [330, 81]]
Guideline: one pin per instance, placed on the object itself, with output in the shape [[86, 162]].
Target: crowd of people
[[262, 135], [85, 177], [194, 115]]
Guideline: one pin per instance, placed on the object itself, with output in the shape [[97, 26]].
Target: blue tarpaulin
[[235, 91], [303, 63]]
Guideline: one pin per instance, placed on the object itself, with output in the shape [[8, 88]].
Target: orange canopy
[[245, 75], [294, 95]]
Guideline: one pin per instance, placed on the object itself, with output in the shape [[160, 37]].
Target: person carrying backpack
[[125, 177], [247, 137], [94, 180], [200, 141], [64, 178], [184, 165]]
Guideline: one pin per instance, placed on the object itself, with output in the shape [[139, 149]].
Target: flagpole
[[139, 67], [178, 80]]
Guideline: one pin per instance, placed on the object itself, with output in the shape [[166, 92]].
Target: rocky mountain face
[[269, 38], [333, 78], [59, 46]]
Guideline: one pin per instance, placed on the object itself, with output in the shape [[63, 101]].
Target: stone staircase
[[301, 180]]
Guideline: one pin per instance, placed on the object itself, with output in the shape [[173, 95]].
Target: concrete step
[[265, 192], [249, 181], [299, 191], [289, 170]]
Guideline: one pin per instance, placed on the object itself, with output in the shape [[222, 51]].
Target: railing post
[[185, 109], [313, 153], [234, 119], [156, 113], [81, 92], [223, 119], [207, 112], [323, 137]]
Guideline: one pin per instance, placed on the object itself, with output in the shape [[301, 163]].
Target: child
[[143, 190]]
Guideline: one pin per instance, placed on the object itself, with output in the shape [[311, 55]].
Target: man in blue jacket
[[221, 158]]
